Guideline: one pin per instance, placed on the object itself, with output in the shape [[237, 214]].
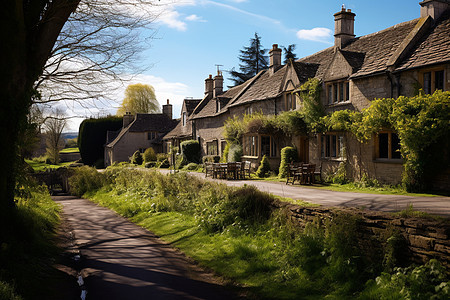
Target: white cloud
[[195, 18], [318, 34]]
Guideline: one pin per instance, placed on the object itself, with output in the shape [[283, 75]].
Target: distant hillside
[[69, 135]]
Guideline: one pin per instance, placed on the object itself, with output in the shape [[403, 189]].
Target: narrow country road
[[123, 261], [379, 202]]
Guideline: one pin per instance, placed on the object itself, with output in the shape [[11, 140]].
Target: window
[[331, 145], [338, 92], [387, 146], [432, 81], [267, 145], [184, 118], [211, 148], [251, 145], [151, 135], [290, 102], [248, 110]]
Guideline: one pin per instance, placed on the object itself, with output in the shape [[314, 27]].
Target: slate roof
[[433, 48], [368, 54], [191, 104], [152, 122], [146, 122]]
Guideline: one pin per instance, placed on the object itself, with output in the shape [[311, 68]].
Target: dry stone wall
[[425, 238]]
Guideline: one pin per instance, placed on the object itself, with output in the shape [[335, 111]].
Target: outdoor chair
[[294, 172], [209, 169], [245, 166]]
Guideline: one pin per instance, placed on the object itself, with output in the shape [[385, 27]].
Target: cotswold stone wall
[[425, 238]]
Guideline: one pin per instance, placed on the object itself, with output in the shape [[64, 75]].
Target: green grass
[[27, 251], [39, 166], [70, 150]]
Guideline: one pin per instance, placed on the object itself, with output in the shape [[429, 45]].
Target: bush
[[85, 179], [190, 150], [264, 168], [288, 155], [235, 153], [225, 152], [211, 159], [136, 158], [149, 155], [161, 157], [150, 164], [190, 167], [163, 164], [92, 135]]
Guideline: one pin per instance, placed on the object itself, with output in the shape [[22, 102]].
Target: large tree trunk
[[29, 31]]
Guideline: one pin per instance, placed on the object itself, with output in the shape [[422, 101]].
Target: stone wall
[[425, 238]]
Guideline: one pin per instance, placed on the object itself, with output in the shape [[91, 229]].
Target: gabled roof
[[190, 105], [432, 48], [144, 123], [152, 122], [367, 54]]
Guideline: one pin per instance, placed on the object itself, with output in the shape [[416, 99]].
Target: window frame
[[151, 135], [255, 149], [337, 92], [430, 85], [331, 146], [290, 101], [389, 149], [212, 147], [184, 118]]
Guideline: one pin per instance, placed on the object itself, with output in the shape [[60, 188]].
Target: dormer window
[[184, 118], [290, 102], [338, 92]]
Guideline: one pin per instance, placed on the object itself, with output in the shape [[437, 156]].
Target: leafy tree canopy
[[253, 58], [139, 98], [289, 53]]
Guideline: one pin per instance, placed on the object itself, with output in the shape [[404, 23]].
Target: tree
[[30, 31], [139, 98], [253, 60], [289, 53], [54, 127]]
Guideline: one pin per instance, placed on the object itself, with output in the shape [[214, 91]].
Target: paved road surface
[[390, 203], [124, 261]]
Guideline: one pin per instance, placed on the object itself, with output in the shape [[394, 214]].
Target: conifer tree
[[253, 58], [289, 53]]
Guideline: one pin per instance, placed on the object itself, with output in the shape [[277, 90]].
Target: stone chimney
[[433, 8], [167, 109], [218, 84], [344, 29], [209, 86], [127, 119], [275, 59]]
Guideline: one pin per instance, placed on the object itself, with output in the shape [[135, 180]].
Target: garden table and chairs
[[304, 173], [230, 170]]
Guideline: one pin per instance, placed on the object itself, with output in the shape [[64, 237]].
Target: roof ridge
[[386, 29]]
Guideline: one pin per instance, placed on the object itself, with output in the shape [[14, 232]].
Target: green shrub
[[7, 292], [92, 135], [225, 152], [190, 150], [211, 159], [149, 155], [288, 155], [151, 164], [161, 157], [136, 158], [234, 153], [85, 179], [163, 164], [264, 168], [190, 167]]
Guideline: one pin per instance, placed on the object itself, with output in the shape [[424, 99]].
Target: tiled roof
[[368, 54], [267, 86], [305, 71], [146, 122], [379, 47], [432, 48], [152, 122], [191, 104]]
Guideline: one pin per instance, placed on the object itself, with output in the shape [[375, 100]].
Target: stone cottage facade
[[139, 132], [356, 70]]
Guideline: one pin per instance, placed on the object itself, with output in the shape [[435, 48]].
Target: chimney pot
[[344, 22], [167, 109], [218, 84], [275, 59], [433, 8], [209, 86]]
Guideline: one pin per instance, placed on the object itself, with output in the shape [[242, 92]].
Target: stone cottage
[[356, 70], [183, 131], [139, 132]]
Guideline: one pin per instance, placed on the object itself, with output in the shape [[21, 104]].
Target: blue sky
[[192, 36]]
